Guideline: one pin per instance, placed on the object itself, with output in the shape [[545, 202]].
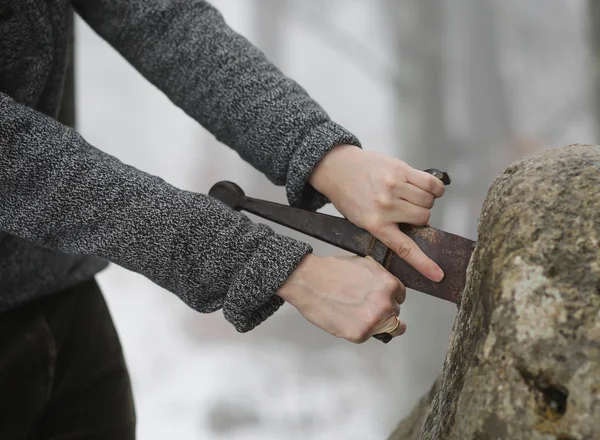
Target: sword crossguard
[[445, 178]]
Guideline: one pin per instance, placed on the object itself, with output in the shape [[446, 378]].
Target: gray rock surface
[[410, 427], [524, 359]]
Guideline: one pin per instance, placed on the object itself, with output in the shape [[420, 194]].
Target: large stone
[[524, 359]]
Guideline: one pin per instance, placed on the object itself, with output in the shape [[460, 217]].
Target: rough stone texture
[[524, 359], [410, 427]]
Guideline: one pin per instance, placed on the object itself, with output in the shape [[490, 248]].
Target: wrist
[[324, 177], [297, 285]]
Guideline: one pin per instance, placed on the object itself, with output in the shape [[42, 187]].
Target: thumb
[[408, 250]]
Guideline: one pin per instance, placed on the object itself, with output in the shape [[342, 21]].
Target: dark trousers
[[62, 371]]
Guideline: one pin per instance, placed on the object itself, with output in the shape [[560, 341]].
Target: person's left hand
[[376, 192]]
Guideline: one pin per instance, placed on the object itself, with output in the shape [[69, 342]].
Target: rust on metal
[[371, 246], [336, 231], [451, 252], [387, 259], [362, 241]]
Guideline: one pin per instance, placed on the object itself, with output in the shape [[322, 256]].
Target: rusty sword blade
[[451, 252]]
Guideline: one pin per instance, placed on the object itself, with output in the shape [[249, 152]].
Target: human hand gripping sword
[[451, 252]]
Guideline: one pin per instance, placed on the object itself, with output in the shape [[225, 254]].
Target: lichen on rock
[[524, 357]]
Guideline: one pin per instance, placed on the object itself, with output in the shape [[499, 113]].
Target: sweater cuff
[[314, 147], [252, 297]]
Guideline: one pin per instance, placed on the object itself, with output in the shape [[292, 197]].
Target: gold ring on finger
[[395, 326]]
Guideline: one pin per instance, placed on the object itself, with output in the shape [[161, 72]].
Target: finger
[[385, 326], [374, 261], [415, 195], [426, 182], [400, 330], [403, 211], [408, 250], [392, 326], [400, 293]]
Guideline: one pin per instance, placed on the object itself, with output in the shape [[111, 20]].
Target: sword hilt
[[445, 178]]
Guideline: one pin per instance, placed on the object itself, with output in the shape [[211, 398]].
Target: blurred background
[[467, 86]]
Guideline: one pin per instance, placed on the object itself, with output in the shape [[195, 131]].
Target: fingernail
[[437, 275]]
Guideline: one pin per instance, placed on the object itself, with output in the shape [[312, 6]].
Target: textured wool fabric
[[68, 209]]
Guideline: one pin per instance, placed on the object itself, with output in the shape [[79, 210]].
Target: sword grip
[[383, 337]]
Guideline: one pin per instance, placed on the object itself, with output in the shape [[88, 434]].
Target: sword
[[451, 252]]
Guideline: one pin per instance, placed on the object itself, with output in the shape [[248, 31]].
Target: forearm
[[62, 193], [216, 76]]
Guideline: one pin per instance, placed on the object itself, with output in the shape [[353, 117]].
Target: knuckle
[[348, 335], [362, 331], [390, 283], [431, 184], [404, 250], [429, 201], [385, 311], [401, 165], [383, 201], [402, 297], [373, 223], [402, 289], [360, 336], [353, 337], [424, 216], [390, 182]]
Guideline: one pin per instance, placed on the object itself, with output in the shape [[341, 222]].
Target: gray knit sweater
[[68, 209]]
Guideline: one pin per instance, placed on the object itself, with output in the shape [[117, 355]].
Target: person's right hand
[[376, 192], [349, 297]]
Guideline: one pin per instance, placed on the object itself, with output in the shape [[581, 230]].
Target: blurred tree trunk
[[420, 32], [421, 117], [269, 18], [455, 117], [524, 360], [488, 126]]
